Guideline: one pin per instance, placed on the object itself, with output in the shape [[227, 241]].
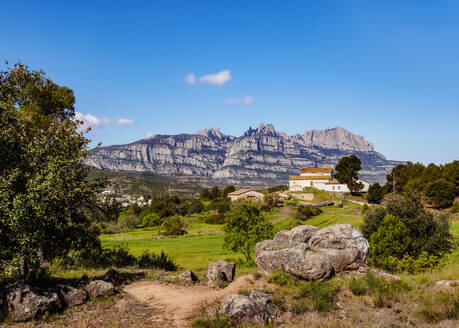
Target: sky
[[386, 70]]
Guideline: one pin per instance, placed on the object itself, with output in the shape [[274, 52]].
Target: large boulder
[[286, 238], [220, 271], [309, 253], [72, 296], [25, 302], [255, 310], [100, 288]]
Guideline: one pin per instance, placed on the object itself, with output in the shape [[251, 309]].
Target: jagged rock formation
[[261, 156]]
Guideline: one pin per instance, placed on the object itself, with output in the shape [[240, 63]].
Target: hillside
[[261, 156]]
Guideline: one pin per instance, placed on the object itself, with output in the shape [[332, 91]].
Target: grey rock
[[258, 309], [100, 288], [344, 244], [72, 296], [309, 253], [188, 275], [25, 302], [446, 283], [112, 276], [220, 271], [260, 156]]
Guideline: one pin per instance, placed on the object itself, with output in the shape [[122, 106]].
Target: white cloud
[[219, 78], [246, 100], [190, 78], [125, 121], [88, 120], [149, 134], [107, 120]]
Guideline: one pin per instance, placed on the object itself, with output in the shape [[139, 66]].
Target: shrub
[[196, 206], [281, 278], [404, 236], [364, 208], [244, 292], [299, 307], [321, 293], [357, 286], [375, 193], [306, 212], [216, 219], [152, 220], [156, 261], [441, 193], [454, 209], [118, 256], [173, 227], [128, 220], [269, 202]]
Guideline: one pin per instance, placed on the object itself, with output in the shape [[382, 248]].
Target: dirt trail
[[178, 302]]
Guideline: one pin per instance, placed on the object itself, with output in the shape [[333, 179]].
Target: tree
[[441, 193], [43, 183], [173, 227], [245, 225], [227, 190], [214, 193], [205, 194], [375, 193], [347, 172]]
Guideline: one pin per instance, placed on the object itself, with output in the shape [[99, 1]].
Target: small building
[[245, 194], [320, 178]]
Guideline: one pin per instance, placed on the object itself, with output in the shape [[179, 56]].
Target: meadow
[[204, 242]]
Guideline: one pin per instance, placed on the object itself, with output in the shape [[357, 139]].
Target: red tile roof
[[239, 192], [316, 170]]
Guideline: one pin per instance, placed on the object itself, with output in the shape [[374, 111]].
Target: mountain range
[[260, 157]]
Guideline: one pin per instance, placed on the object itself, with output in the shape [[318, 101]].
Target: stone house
[[245, 194]]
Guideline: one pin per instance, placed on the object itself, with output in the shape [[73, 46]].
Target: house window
[[333, 187], [339, 187]]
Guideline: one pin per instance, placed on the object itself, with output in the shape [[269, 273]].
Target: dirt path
[[178, 302]]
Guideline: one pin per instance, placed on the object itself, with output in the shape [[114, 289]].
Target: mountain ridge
[[260, 156]]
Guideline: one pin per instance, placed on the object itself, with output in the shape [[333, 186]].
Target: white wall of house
[[299, 185], [316, 174]]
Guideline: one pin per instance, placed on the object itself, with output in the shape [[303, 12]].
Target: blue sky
[[387, 70]]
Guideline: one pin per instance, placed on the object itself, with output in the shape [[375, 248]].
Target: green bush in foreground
[[322, 294]]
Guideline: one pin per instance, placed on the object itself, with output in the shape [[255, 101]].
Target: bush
[[128, 220], [299, 307], [404, 236], [306, 212], [441, 193], [364, 208], [437, 305], [357, 286], [196, 206], [156, 261], [454, 209], [269, 202], [216, 219], [281, 278], [375, 193], [152, 220], [173, 227], [118, 256], [321, 293]]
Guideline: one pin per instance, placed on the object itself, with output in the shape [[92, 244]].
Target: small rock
[[390, 278], [446, 283], [25, 302], [100, 288], [258, 309], [188, 275], [220, 271], [72, 296]]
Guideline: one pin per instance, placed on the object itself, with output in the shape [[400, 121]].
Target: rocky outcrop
[[25, 302], [310, 253], [100, 288], [260, 155], [256, 310], [220, 271], [72, 296]]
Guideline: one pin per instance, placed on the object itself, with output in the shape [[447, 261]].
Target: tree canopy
[[43, 182], [347, 171]]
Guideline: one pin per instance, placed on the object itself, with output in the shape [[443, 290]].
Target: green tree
[[227, 190], [441, 193], [43, 182], [245, 225], [347, 171], [173, 227], [375, 193], [205, 194]]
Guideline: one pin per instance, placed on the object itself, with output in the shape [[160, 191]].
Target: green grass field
[[204, 242]]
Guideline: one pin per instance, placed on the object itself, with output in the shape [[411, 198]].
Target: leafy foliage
[[405, 237], [245, 225], [156, 261], [43, 184], [173, 227], [375, 193], [304, 213], [321, 293], [347, 172], [440, 192], [152, 220]]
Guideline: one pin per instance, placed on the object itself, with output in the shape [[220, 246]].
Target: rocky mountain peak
[[212, 133], [262, 129]]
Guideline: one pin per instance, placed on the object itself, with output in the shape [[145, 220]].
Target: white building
[[320, 178], [245, 194]]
